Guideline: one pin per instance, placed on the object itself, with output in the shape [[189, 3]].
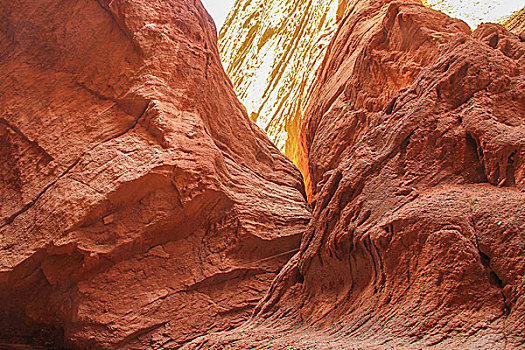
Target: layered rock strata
[[139, 205], [416, 143], [516, 23]]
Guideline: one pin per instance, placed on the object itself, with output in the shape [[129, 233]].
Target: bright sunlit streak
[[474, 12]]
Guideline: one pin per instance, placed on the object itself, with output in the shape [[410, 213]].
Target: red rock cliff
[[416, 142], [139, 206], [272, 50]]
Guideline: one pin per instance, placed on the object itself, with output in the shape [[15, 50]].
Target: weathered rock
[[139, 206], [416, 143], [272, 50], [516, 23]]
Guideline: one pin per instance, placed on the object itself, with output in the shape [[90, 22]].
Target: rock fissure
[[492, 275], [10, 219], [33, 143]]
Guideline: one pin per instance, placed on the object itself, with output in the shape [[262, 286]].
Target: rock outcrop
[[416, 142], [272, 51], [139, 205]]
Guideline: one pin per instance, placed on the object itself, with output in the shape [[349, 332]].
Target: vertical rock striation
[[516, 23], [416, 141], [272, 50], [139, 205]]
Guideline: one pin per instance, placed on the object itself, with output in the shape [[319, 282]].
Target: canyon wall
[[140, 207], [416, 141], [516, 23], [271, 50]]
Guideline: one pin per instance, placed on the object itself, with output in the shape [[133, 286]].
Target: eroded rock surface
[[272, 50], [416, 143], [139, 205]]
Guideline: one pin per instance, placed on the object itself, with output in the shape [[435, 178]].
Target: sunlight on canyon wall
[[475, 12], [272, 49]]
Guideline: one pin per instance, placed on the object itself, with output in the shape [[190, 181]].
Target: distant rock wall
[[475, 12], [271, 50], [516, 23], [139, 205]]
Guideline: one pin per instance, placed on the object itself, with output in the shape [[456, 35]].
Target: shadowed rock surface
[[139, 205], [416, 141]]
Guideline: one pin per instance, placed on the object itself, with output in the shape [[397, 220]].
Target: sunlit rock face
[[271, 51], [516, 23]]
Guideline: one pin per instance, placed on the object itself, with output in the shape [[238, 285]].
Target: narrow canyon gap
[[140, 208]]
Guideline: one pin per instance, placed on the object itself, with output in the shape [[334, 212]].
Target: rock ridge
[[415, 136]]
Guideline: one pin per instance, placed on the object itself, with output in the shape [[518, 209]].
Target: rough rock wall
[[272, 50], [139, 205], [416, 138]]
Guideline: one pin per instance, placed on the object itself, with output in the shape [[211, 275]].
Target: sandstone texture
[[516, 23], [416, 142], [139, 205], [272, 50]]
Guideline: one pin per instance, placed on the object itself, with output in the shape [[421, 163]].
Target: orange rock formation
[[140, 207], [416, 143]]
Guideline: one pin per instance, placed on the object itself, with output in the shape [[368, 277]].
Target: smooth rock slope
[[139, 205], [416, 141]]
